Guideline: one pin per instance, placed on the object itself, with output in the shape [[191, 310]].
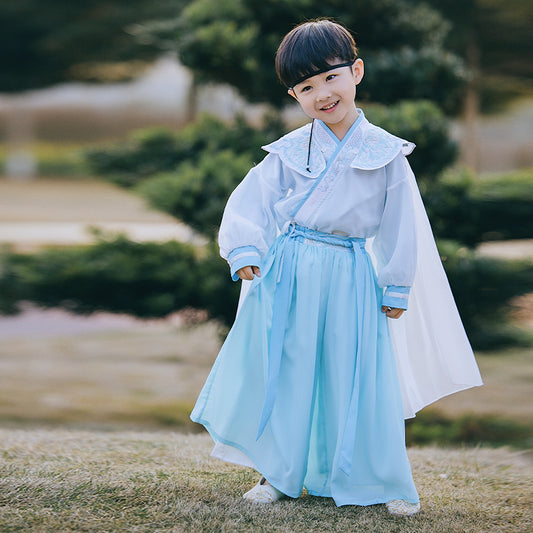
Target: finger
[[245, 273], [257, 271], [396, 313], [384, 309]]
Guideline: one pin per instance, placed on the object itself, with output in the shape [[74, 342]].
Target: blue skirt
[[305, 384]]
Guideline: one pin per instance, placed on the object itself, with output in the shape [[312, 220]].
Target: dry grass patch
[[508, 388], [58, 480], [148, 374]]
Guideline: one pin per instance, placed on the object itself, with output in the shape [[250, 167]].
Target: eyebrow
[[321, 71]]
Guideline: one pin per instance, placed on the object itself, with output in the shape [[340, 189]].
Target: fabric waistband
[[332, 239]]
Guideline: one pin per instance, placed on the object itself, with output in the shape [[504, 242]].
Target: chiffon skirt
[[305, 386]]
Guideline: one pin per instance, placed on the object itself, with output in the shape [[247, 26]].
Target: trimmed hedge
[[197, 192], [116, 275], [432, 427], [424, 124], [469, 209], [122, 276], [153, 151], [153, 280], [482, 288]]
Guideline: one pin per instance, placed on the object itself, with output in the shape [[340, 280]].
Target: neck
[[341, 128]]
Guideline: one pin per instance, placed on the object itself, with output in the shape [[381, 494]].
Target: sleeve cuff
[[241, 257], [396, 296]]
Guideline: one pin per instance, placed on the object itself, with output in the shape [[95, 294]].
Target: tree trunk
[[191, 112], [20, 162], [471, 149]]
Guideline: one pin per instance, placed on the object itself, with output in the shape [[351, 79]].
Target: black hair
[[309, 48]]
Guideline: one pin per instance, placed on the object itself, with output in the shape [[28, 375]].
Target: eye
[[331, 76], [305, 89]]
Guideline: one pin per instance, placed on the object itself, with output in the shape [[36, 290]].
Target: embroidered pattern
[[378, 148], [371, 150], [292, 150]]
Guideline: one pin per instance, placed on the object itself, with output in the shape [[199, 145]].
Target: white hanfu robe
[[335, 237]]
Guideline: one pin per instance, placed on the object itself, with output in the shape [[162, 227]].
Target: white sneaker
[[263, 492], [402, 508]]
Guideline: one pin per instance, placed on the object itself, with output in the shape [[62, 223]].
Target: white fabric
[[231, 455], [433, 354], [359, 202], [365, 189]]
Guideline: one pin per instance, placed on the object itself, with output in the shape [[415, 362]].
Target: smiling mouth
[[329, 107]]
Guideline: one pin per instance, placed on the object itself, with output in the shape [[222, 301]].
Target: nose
[[323, 93]]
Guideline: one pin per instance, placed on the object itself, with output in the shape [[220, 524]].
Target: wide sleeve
[[395, 241], [248, 226]]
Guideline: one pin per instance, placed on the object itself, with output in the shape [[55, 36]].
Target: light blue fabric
[[396, 296], [336, 421], [242, 257]]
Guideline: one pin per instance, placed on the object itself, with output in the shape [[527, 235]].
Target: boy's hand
[[248, 272], [394, 312]]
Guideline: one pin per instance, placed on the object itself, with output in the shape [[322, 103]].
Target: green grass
[[516, 184], [433, 427], [56, 159], [57, 480]]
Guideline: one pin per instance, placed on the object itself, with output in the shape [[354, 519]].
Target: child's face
[[330, 96]]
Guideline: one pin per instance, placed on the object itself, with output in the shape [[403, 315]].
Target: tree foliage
[[494, 38], [56, 41], [403, 43], [155, 279], [156, 150], [191, 173], [424, 124], [197, 191], [468, 210]]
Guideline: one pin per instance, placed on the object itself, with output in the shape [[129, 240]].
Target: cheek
[[306, 102]]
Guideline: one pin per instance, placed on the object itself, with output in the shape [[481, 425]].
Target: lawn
[[96, 437], [59, 480]]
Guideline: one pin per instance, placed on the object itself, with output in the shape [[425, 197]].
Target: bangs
[[311, 48]]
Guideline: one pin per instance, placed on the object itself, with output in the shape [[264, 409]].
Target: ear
[[292, 93], [358, 71]]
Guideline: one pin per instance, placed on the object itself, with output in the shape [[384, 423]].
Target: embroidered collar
[[373, 147]]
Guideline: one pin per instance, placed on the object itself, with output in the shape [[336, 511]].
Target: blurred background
[[125, 126]]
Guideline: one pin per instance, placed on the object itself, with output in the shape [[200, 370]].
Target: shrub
[[153, 280], [424, 124], [153, 151], [196, 193], [468, 209], [432, 427], [118, 275], [482, 288]]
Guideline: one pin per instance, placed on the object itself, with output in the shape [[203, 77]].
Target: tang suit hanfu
[[313, 382]]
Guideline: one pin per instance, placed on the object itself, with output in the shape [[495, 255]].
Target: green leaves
[[423, 123], [198, 190], [403, 44]]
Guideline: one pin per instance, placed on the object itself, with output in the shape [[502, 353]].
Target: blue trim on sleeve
[[241, 257], [396, 296]]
